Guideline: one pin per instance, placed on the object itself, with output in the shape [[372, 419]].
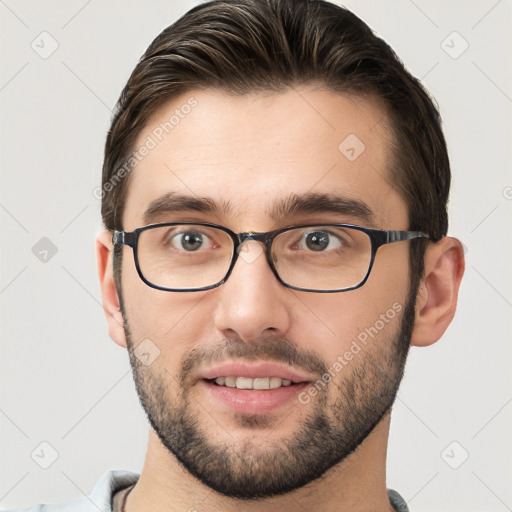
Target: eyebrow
[[281, 209]]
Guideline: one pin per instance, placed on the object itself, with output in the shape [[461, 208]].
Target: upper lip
[[254, 370]]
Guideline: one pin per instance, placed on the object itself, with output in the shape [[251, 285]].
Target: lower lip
[[252, 401]]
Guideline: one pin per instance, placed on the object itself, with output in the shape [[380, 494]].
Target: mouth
[[255, 388], [249, 383], [254, 375]]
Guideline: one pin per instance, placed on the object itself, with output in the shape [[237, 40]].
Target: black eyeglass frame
[[378, 238]]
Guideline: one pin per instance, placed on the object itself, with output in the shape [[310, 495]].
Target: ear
[[438, 291], [104, 254]]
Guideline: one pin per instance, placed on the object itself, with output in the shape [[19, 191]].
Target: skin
[[252, 150]]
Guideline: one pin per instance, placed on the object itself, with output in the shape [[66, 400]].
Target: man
[[274, 195]]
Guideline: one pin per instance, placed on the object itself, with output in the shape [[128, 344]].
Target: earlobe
[[115, 321], [438, 291]]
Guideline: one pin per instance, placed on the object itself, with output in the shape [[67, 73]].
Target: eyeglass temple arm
[[399, 236], [122, 238]]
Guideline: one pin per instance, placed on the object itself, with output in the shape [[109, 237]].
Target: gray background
[[64, 382]]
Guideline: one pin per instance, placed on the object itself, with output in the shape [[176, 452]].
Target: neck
[[357, 484]]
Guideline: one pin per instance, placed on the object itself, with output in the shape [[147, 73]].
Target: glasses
[[322, 258]]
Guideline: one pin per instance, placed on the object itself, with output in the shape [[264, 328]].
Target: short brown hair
[[242, 46]]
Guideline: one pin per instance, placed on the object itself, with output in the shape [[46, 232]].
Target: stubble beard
[[340, 418]]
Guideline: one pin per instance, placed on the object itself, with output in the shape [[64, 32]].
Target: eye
[[319, 241], [190, 240]]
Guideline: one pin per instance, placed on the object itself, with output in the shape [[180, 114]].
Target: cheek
[[358, 318], [168, 319]]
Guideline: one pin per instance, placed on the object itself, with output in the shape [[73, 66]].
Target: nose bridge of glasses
[[250, 235], [263, 238], [244, 251]]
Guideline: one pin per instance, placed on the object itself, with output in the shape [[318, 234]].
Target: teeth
[[261, 383], [248, 383], [244, 383], [230, 382]]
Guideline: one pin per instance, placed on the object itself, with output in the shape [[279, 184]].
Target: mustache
[[266, 348]]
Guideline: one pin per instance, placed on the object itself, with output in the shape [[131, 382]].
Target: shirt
[[112, 482]]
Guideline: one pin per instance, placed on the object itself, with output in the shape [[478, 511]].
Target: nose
[[252, 302]]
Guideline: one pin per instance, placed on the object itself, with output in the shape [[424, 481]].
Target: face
[[343, 352]]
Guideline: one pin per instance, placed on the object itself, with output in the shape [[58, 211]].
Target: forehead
[[262, 159]]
